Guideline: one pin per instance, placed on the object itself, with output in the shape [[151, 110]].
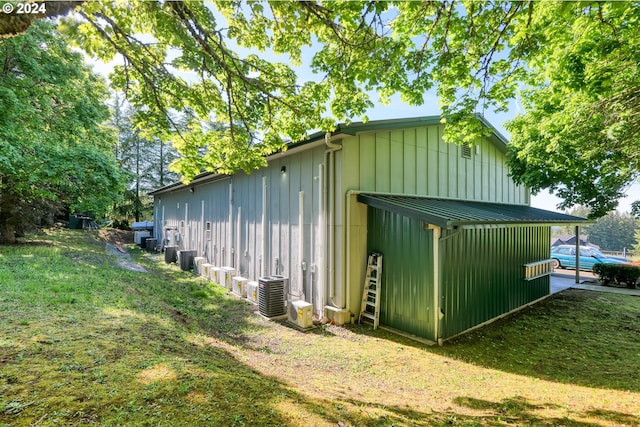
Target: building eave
[[342, 130], [451, 214]]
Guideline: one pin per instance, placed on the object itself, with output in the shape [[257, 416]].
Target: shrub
[[603, 272], [618, 274]]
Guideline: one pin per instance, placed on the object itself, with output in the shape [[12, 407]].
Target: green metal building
[[453, 265], [460, 243]]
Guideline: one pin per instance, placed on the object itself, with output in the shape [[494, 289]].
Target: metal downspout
[[204, 242], [437, 310], [160, 238], [577, 254], [330, 153], [348, 244], [322, 235], [230, 228], [303, 266], [185, 238], [237, 261], [263, 261]]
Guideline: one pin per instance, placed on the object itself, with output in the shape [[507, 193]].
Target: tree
[[574, 63], [570, 230], [581, 133], [145, 159], [401, 47], [54, 151], [614, 231]]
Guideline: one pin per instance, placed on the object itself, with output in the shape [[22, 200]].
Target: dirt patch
[[115, 237], [123, 258]]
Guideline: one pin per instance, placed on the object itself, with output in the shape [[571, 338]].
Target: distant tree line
[[613, 232]]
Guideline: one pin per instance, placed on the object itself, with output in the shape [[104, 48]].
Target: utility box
[[216, 275], [151, 244], [271, 291], [138, 235], [205, 270], [300, 314], [143, 242], [197, 264]]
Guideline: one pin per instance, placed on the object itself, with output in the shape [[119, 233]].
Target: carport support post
[[437, 232], [577, 254]]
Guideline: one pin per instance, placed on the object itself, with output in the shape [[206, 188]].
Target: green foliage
[[580, 130], [351, 48], [569, 230], [574, 63], [145, 160], [54, 151], [618, 274], [614, 231]]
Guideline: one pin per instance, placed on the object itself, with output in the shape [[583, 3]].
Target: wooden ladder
[[370, 307]]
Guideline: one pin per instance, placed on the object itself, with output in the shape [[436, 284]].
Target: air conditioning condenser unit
[[239, 286], [216, 276], [300, 314], [197, 262], [271, 291], [206, 270], [226, 278], [252, 292]]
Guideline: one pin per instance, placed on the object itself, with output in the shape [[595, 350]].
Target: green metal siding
[[482, 274], [407, 271]]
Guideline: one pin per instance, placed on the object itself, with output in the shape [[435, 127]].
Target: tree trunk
[[137, 201], [7, 216], [7, 232]]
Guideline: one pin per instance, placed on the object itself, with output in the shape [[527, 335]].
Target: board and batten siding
[[416, 161], [234, 207]]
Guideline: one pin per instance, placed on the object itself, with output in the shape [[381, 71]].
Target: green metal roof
[[466, 214]]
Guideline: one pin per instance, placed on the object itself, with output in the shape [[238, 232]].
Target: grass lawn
[[85, 341]]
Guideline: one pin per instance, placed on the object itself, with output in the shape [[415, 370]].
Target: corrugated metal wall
[[407, 272], [236, 221], [482, 274], [188, 212]]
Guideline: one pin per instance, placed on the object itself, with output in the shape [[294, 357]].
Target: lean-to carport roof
[[466, 214]]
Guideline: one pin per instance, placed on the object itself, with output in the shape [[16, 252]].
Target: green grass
[[83, 341]]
